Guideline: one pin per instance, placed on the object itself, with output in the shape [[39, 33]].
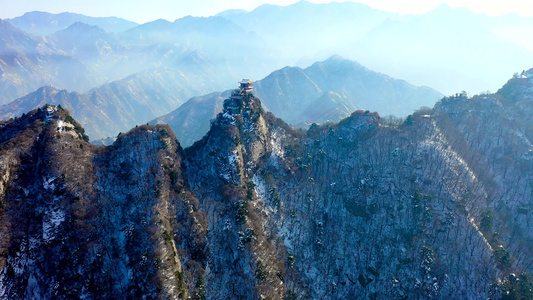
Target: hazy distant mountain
[[43, 23], [117, 56], [85, 41], [104, 52], [305, 29], [445, 47], [117, 106], [448, 49], [192, 52], [93, 56], [229, 47], [327, 91], [189, 45], [85, 110], [28, 62], [332, 89], [190, 121], [148, 95], [510, 28]]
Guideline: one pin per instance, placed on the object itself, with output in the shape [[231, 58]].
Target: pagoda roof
[[246, 81]]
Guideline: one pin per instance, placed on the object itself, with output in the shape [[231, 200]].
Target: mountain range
[[327, 91], [117, 106], [447, 49], [28, 62], [43, 23], [82, 56], [338, 86], [437, 206], [445, 46], [303, 189]]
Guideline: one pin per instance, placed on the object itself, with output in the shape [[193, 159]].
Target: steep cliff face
[[388, 219], [355, 210], [40, 219], [360, 209], [247, 258], [436, 207], [85, 222]]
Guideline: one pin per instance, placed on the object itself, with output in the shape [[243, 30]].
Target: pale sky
[[142, 11]]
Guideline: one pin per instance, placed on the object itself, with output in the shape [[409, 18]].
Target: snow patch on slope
[[460, 168], [51, 221]]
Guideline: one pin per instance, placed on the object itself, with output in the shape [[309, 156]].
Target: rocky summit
[[434, 207]]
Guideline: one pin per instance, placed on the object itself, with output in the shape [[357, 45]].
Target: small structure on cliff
[[239, 96], [245, 88]]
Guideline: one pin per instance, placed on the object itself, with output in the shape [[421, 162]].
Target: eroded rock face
[[436, 207]]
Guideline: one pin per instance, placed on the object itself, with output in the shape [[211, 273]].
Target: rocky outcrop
[[247, 258], [83, 221]]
